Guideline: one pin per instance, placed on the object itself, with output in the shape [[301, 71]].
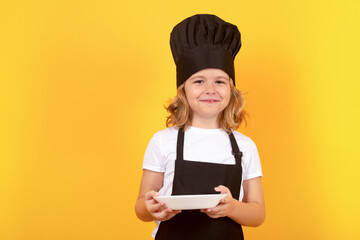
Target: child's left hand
[[225, 206]]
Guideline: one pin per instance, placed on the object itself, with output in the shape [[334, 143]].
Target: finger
[[225, 200], [151, 194], [222, 189], [211, 214], [165, 213], [215, 210], [172, 214], [156, 207], [153, 202]]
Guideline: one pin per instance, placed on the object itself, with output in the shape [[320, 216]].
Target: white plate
[[186, 202]]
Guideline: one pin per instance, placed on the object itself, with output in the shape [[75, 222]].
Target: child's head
[[209, 93], [204, 48]]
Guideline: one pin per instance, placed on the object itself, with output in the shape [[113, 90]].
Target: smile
[[210, 101]]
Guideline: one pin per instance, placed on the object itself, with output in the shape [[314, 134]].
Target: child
[[200, 152]]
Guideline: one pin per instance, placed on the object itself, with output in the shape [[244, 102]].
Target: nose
[[210, 88]]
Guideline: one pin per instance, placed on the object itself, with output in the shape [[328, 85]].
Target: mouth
[[209, 100]]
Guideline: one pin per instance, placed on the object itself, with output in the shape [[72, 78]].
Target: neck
[[206, 123]]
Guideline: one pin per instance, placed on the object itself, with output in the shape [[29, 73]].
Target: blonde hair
[[230, 118]]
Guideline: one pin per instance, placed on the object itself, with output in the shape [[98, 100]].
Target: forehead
[[210, 72]]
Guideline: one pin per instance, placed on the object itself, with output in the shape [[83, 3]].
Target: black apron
[[192, 177]]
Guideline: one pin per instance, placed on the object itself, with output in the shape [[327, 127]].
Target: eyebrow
[[198, 76]]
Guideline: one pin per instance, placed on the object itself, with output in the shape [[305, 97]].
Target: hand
[[225, 206], [158, 209]]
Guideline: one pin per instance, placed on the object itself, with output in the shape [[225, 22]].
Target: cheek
[[189, 97], [226, 99], [192, 95], [226, 94]]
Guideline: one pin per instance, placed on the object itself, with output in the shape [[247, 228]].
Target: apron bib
[[192, 177]]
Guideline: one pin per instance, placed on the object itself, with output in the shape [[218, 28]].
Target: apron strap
[[235, 149], [180, 144]]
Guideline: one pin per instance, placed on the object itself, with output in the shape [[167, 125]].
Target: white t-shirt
[[202, 145]]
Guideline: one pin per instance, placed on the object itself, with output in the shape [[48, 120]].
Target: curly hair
[[230, 118]]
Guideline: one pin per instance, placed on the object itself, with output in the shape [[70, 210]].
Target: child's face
[[208, 92]]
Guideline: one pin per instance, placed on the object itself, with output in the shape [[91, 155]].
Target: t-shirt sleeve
[[153, 159], [252, 165]]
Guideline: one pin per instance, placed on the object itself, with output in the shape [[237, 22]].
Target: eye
[[220, 82], [198, 81]]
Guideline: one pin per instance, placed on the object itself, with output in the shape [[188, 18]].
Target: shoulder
[[244, 141], [160, 147], [164, 137], [166, 133], [250, 160]]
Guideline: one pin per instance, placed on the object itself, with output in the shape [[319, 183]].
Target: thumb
[[222, 189], [149, 195]]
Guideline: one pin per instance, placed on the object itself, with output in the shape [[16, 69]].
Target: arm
[[147, 208], [249, 212]]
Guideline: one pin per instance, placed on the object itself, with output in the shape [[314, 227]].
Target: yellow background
[[82, 89]]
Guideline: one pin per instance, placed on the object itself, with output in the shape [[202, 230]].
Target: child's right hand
[[159, 211]]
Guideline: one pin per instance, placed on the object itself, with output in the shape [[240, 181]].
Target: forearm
[[247, 214], [141, 212]]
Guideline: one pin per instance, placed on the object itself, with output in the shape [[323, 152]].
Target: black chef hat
[[204, 41]]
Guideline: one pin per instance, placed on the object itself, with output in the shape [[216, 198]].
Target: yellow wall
[[82, 89]]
